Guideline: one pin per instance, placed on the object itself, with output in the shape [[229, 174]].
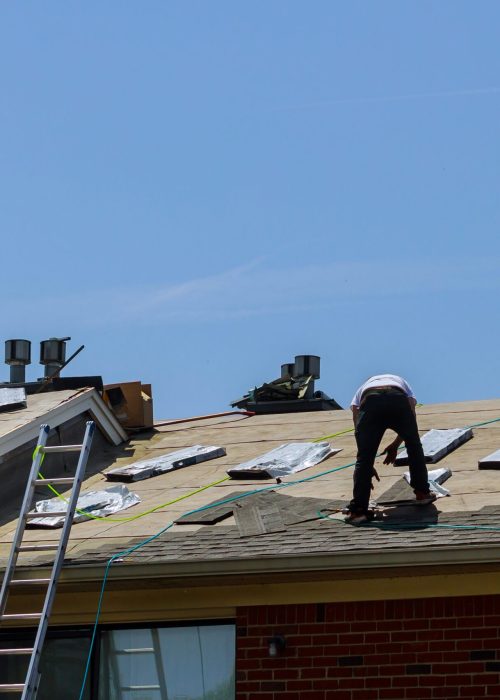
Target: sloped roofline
[[86, 400]]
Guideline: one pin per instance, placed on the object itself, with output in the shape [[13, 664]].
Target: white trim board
[[86, 400]]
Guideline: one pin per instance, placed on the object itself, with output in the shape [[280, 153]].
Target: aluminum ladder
[[29, 688]]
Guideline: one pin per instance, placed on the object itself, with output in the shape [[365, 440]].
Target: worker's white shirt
[[382, 380]]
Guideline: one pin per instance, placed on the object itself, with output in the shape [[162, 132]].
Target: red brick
[[484, 633], [313, 673], [378, 682], [299, 685], [485, 678], [445, 692], [418, 693], [473, 691], [377, 637], [493, 691], [285, 674], [338, 695], [390, 694]]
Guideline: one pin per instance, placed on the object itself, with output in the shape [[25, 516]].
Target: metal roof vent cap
[[307, 366], [287, 370], [17, 355], [53, 354]]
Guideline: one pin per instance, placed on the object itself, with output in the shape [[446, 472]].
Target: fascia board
[[71, 408], [413, 558]]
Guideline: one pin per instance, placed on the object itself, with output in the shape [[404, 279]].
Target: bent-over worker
[[385, 401]]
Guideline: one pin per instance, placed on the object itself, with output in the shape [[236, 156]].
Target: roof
[[464, 527]]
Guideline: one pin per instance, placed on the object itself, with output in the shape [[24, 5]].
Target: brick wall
[[434, 648]]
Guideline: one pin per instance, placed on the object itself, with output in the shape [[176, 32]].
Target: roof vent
[[53, 355], [17, 355], [293, 391], [307, 366]]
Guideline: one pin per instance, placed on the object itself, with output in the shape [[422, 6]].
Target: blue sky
[[199, 191]]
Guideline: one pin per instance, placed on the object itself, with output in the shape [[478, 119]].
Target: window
[[178, 663]]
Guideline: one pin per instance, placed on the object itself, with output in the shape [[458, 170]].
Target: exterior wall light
[[276, 645]]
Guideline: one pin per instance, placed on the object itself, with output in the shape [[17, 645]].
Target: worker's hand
[[390, 452], [374, 474]]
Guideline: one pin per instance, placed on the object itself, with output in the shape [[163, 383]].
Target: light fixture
[[276, 645]]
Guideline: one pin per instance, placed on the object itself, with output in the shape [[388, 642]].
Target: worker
[[385, 401]]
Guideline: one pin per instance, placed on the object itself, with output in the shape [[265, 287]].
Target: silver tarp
[[97, 503], [152, 466], [283, 460], [438, 443], [436, 478]]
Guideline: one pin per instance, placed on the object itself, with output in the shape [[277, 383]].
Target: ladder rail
[[21, 524], [32, 676]]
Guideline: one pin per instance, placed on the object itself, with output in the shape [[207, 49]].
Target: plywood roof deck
[[247, 437]]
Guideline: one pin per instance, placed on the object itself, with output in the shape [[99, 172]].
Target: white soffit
[[27, 426]]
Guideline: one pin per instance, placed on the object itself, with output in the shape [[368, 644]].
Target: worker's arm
[[355, 414], [391, 451]]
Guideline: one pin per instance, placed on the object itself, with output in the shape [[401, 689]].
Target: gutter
[[368, 560]]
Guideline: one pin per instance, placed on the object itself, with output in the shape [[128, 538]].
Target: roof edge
[[86, 400]]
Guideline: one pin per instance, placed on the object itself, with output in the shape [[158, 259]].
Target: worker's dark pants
[[377, 413]]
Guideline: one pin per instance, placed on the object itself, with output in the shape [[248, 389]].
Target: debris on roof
[[266, 509], [153, 466], [11, 399], [492, 461], [401, 493], [293, 391], [284, 460], [131, 402], [98, 504], [437, 444]]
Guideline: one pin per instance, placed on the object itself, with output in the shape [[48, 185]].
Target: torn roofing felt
[[152, 466], [284, 460], [96, 503], [492, 461], [437, 444]]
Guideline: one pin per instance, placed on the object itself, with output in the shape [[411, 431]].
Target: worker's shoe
[[358, 518], [424, 499]]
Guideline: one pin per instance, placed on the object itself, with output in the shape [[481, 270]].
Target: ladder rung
[[21, 616], [37, 547], [58, 480], [13, 652], [29, 581], [61, 448], [12, 687], [146, 650], [140, 687], [54, 514]]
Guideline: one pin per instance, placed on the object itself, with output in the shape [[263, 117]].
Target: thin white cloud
[[257, 289]]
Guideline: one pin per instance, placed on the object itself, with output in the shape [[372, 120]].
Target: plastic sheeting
[[438, 443], [152, 466], [284, 460], [98, 503], [436, 478]]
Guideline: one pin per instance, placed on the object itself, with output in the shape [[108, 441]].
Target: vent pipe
[[307, 365], [53, 355], [17, 356], [287, 370]]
